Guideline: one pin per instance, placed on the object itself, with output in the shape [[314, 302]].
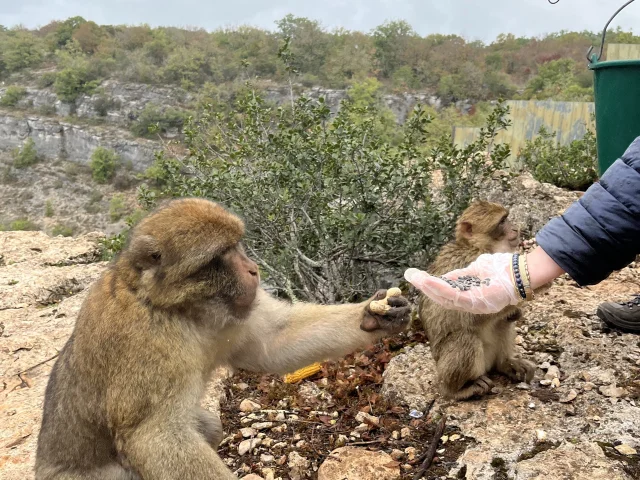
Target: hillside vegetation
[[81, 53]]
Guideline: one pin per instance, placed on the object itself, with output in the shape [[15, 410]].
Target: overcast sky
[[473, 19]]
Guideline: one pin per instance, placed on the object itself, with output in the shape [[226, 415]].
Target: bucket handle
[[595, 58]]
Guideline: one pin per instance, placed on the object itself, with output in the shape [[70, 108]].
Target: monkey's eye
[[156, 256]]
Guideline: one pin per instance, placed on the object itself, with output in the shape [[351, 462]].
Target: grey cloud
[[473, 19]]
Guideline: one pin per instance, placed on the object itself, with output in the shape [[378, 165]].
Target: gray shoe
[[623, 316]]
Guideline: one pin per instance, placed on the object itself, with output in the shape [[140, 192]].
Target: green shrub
[[46, 79], [12, 96], [26, 155], [341, 207], [117, 207], [104, 163], [63, 230], [110, 246], [573, 166], [48, 209], [153, 121], [103, 104], [21, 224]]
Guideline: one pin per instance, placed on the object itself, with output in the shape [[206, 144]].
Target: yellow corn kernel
[[303, 373]]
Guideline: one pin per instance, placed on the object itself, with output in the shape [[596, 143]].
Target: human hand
[[484, 299]]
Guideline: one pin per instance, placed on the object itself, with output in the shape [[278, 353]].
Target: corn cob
[[303, 373]]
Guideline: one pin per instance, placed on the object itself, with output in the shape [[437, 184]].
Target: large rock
[[56, 139], [358, 464]]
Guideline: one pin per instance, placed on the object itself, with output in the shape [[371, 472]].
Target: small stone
[[262, 425], [625, 449], [301, 444], [265, 458], [541, 435], [248, 406], [267, 442], [242, 386], [555, 383], [571, 396], [279, 445], [341, 441], [586, 376], [570, 411], [613, 391], [544, 365], [523, 386], [545, 382], [552, 372], [297, 437], [248, 445], [454, 437], [444, 439], [280, 429], [248, 432], [395, 435], [405, 432], [367, 419], [588, 386], [363, 427], [532, 405], [411, 453], [397, 455], [268, 473], [406, 467], [280, 417], [519, 340], [252, 476]]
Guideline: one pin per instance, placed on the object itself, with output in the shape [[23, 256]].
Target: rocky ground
[[374, 414], [77, 204]]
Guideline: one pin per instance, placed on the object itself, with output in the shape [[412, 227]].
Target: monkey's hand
[[488, 297], [393, 320]]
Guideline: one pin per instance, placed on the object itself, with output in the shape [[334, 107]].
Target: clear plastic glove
[[484, 299]]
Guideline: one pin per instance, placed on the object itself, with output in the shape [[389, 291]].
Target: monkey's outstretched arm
[[281, 338]]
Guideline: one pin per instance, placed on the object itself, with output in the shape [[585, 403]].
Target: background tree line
[[80, 53]]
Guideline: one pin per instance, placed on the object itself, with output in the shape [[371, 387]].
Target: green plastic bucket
[[617, 99]]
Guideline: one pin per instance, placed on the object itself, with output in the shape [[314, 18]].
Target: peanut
[[382, 306]]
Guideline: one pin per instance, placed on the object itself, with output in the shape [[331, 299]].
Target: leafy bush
[[573, 166], [153, 120], [117, 207], [330, 208], [12, 95], [26, 155], [104, 163], [21, 224], [63, 230], [71, 83], [103, 104], [46, 79], [48, 209]]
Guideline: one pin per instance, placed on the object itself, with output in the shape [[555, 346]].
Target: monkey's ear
[[145, 252], [466, 229]]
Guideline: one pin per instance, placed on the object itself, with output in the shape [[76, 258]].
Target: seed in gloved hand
[[465, 282]]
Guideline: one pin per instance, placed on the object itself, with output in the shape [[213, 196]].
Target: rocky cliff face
[[56, 139]]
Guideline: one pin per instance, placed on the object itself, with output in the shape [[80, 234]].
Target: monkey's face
[[507, 236], [188, 254]]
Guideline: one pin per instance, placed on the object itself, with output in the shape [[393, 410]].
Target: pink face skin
[[511, 240]]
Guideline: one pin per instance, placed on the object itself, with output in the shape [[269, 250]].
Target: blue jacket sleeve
[[600, 233]]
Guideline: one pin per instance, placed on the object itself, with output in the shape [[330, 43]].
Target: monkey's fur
[[182, 298], [466, 346]]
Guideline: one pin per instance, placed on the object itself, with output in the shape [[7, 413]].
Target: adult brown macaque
[[466, 346], [123, 399]]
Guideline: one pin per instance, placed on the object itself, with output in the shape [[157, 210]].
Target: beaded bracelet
[[520, 277], [524, 270], [515, 268]]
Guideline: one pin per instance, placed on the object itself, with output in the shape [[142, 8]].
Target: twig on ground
[[428, 456]]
